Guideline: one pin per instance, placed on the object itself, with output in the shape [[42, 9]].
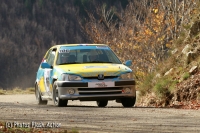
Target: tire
[[57, 101], [102, 103], [128, 102], [38, 97]]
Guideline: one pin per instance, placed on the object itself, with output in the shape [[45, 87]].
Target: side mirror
[[128, 63], [45, 65]]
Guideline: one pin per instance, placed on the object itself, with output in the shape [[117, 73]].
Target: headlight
[[73, 77], [126, 76], [64, 77], [67, 77]]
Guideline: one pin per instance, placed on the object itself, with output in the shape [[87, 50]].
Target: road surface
[[87, 117]]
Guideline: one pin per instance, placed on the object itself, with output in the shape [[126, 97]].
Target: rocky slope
[[180, 74]]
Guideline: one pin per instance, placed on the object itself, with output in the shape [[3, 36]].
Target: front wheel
[[102, 103], [56, 99], [38, 97], [128, 102]]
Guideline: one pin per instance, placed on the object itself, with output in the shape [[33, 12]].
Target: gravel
[[87, 117]]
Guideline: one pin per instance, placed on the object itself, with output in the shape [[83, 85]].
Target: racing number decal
[[47, 79]]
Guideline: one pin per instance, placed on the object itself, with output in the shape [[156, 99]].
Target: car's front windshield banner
[[86, 54]]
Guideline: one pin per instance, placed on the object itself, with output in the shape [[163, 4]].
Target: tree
[[143, 32]]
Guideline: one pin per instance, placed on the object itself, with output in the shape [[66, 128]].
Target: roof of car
[[60, 45]]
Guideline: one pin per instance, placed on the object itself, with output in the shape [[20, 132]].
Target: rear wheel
[[128, 102], [102, 103], [56, 99], [38, 97]]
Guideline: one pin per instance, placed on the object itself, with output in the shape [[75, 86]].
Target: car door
[[44, 82], [48, 72]]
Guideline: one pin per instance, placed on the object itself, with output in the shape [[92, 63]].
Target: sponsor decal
[[96, 73], [83, 44], [101, 84], [64, 51], [47, 79], [102, 46], [86, 67]]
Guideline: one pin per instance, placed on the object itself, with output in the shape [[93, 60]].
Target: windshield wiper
[[69, 63], [85, 62], [98, 62]]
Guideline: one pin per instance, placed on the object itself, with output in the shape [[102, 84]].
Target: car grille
[[100, 91], [106, 77]]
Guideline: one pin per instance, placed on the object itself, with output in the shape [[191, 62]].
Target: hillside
[[30, 27], [176, 83]]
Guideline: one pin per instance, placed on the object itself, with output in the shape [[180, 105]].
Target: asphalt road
[[22, 110]]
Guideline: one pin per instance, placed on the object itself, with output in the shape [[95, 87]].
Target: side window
[[47, 55], [51, 57]]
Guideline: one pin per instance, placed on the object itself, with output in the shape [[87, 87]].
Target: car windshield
[[86, 55]]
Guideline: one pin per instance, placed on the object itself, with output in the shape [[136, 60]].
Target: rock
[[193, 70], [197, 50], [168, 72], [174, 51], [158, 75], [190, 56], [176, 103], [194, 30], [186, 49]]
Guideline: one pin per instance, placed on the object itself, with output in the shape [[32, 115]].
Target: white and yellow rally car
[[85, 72]]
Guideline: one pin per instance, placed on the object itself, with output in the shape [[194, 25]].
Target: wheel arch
[[35, 85], [38, 88]]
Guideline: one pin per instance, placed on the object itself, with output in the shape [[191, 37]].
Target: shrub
[[161, 88], [164, 87], [186, 76], [146, 85]]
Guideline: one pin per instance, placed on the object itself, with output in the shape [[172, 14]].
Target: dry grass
[[17, 90], [146, 85], [186, 76]]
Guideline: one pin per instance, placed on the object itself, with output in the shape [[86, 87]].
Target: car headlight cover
[[64, 77], [74, 77], [67, 77], [126, 76]]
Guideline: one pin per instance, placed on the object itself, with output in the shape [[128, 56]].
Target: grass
[[186, 26], [17, 91], [166, 65], [161, 87], [146, 85], [164, 85], [186, 76], [179, 41]]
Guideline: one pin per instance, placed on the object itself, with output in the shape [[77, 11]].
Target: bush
[[164, 87], [146, 85], [161, 88], [186, 76]]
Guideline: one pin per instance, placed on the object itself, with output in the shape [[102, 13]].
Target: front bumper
[[96, 90]]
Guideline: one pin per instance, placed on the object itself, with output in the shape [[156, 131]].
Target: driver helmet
[[64, 58]]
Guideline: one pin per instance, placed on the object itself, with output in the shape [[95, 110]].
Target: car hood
[[90, 70]]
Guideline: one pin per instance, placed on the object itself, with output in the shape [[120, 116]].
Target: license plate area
[[100, 84]]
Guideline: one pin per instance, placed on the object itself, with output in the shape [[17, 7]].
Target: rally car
[[85, 72]]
